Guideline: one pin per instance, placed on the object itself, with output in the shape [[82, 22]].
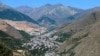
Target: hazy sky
[[83, 4]]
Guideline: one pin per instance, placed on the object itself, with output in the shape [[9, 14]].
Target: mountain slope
[[10, 30], [83, 43], [26, 10], [81, 14], [12, 38], [20, 21], [32, 29], [9, 13], [83, 21], [46, 22], [85, 40]]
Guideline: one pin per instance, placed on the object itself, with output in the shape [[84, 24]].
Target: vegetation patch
[[63, 53], [10, 41], [72, 53], [80, 37], [3, 34], [63, 36], [5, 50], [26, 35]]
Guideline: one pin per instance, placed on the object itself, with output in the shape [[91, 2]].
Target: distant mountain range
[[57, 13]]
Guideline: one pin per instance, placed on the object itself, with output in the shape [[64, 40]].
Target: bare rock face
[[10, 30]]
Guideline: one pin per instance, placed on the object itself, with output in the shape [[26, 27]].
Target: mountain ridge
[[57, 12]]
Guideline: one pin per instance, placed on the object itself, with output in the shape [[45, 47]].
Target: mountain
[[10, 30], [28, 27], [81, 14], [11, 39], [80, 36], [56, 12], [9, 13], [46, 22], [11, 36], [20, 21], [26, 10], [84, 40], [83, 19]]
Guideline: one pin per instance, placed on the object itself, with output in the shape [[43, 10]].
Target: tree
[[5, 50]]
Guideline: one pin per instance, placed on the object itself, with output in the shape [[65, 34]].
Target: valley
[[49, 30]]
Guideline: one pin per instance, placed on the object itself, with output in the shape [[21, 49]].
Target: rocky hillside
[[32, 29], [85, 40], [10, 30], [12, 38]]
